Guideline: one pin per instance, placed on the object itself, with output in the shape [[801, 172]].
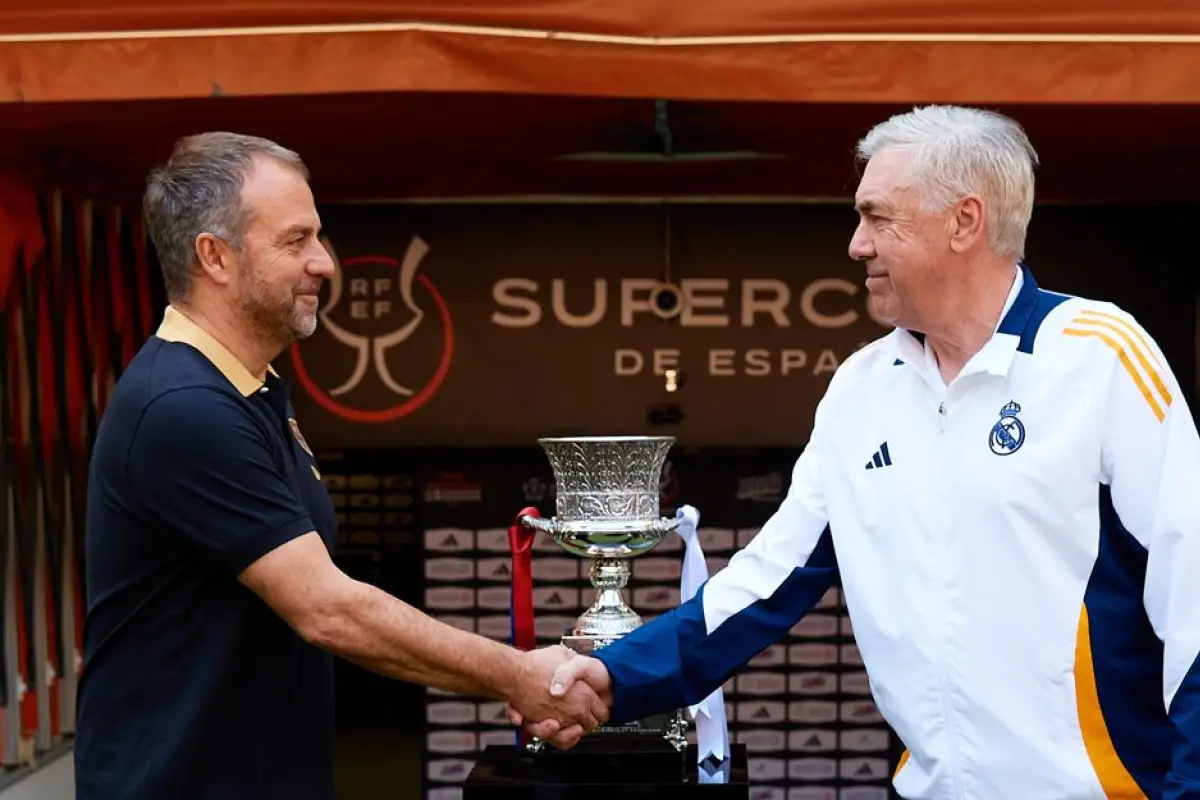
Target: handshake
[[560, 695]]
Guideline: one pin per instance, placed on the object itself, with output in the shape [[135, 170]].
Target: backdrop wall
[[493, 325]]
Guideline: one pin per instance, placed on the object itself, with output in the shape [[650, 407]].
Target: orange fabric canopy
[[846, 51]]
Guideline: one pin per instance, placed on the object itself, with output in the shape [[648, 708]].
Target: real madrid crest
[[299, 436], [1008, 434]]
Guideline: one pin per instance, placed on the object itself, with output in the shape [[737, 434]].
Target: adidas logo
[[881, 458]]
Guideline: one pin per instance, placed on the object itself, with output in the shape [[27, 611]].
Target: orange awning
[[844, 51]]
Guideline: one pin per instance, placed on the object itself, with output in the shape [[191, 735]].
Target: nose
[[862, 246], [322, 263]]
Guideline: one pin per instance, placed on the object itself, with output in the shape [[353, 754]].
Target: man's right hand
[[579, 673]]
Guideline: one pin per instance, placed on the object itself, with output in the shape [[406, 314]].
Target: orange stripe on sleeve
[[1125, 324], [1125, 362], [1124, 330]]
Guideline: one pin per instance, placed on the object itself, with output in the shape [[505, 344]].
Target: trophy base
[[633, 758], [668, 727], [606, 769]]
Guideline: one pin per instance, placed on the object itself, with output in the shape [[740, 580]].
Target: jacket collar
[[1015, 331]]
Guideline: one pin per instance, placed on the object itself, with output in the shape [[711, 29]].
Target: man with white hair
[[1006, 485]]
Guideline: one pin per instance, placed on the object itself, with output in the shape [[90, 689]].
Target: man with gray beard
[[214, 610]]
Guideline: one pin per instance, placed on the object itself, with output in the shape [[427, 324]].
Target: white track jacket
[[1019, 553]]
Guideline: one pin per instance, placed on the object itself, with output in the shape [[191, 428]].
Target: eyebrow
[[297, 230], [870, 207]]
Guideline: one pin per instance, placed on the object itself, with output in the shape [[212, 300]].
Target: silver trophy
[[607, 510]]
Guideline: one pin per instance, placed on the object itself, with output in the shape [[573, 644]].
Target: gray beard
[[279, 324]]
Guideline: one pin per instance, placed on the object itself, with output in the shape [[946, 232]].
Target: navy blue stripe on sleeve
[[674, 661]]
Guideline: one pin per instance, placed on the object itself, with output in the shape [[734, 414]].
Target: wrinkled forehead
[[888, 183]]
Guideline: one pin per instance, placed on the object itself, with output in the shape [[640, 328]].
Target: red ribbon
[[520, 542]]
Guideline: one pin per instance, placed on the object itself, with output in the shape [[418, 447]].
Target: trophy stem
[[609, 617]]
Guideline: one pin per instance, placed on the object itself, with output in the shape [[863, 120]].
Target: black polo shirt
[[192, 687]]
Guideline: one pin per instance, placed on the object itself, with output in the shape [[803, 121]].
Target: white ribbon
[[712, 729]]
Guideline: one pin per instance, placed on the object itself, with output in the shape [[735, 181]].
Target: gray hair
[[957, 151], [199, 190]]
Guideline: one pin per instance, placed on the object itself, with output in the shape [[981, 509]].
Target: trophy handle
[[540, 524], [556, 527]]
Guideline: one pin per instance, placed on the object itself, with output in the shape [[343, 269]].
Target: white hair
[[958, 151]]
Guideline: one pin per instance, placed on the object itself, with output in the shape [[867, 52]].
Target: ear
[[966, 225], [216, 258]]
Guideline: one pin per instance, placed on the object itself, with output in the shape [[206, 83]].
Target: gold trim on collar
[[176, 327]]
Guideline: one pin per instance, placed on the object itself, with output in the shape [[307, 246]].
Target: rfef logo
[[385, 342]]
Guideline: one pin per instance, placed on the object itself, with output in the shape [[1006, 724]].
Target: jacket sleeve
[[682, 656], [1150, 503]]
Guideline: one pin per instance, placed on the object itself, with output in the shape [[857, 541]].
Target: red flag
[[47, 409], [19, 401], [21, 235]]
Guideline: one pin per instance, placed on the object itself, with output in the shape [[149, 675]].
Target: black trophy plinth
[[605, 768]]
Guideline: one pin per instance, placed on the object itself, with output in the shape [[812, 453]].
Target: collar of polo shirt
[[176, 327]]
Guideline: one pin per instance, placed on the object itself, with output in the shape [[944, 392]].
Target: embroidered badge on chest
[[1008, 434], [299, 436]]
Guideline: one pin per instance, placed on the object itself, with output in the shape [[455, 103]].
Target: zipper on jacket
[[954, 777]]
